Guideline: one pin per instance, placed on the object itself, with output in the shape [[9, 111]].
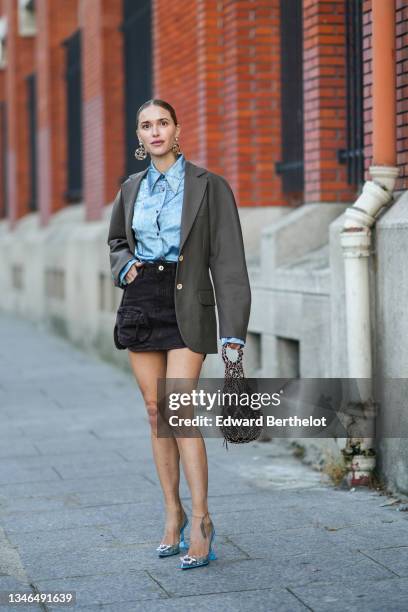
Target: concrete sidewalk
[[81, 507]]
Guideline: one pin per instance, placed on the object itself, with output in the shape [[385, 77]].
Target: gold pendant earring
[[176, 147], [140, 152]]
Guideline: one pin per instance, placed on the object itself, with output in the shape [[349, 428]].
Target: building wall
[[325, 102], [223, 78], [401, 21], [402, 91], [219, 65]]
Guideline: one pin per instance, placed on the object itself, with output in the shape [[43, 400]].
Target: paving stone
[[27, 474], [222, 576], [77, 517], [17, 448], [80, 562], [368, 596], [61, 540], [285, 542], [143, 491], [372, 537], [394, 558], [266, 600], [9, 585], [86, 484], [109, 588]]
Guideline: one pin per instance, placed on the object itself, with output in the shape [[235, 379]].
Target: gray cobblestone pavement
[[81, 507]]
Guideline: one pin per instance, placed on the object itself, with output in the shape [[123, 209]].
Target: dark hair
[[157, 102]]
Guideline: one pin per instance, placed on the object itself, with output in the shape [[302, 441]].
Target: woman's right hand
[[132, 272]]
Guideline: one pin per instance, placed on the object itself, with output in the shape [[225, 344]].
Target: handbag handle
[[233, 369]]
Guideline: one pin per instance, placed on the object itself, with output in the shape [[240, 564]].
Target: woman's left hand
[[233, 345]]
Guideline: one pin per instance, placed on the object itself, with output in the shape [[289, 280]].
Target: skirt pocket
[[132, 326]]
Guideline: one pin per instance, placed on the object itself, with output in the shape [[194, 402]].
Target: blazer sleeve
[[227, 261], [120, 252]]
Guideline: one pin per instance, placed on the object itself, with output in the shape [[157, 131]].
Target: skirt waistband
[[159, 265]]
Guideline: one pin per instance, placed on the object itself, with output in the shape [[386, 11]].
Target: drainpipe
[[356, 238]]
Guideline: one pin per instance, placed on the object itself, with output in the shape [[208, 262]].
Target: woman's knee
[[151, 408]]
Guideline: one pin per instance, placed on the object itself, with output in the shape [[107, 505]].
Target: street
[[81, 507]]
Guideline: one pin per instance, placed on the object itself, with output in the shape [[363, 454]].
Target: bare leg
[[184, 363], [147, 367]]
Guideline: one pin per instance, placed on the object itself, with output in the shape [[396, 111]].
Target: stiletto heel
[[183, 544], [188, 562], [167, 550]]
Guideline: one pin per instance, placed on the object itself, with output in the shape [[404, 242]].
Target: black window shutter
[[73, 77], [32, 134], [3, 158], [136, 28], [353, 155], [291, 52]]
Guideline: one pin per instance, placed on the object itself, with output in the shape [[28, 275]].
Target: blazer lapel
[[195, 183], [130, 189]]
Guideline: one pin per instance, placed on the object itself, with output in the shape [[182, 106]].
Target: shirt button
[[157, 233], [181, 257], [161, 267], [179, 286]]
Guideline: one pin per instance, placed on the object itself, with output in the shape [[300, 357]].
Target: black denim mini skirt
[[146, 318]]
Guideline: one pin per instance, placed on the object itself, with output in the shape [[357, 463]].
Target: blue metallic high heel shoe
[[188, 562], [167, 550]]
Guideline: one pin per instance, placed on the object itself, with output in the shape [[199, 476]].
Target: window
[[74, 116], [32, 134], [136, 28], [3, 160], [291, 53], [353, 155], [26, 18], [3, 42]]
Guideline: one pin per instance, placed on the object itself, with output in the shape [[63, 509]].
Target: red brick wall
[[324, 101], [20, 63], [402, 91], [218, 64], [251, 96], [176, 70], [2, 99], [102, 104], [102, 112], [56, 20], [367, 87]]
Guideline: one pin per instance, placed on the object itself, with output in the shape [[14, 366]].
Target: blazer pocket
[[206, 297]]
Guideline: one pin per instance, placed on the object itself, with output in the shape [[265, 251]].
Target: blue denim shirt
[[157, 218]]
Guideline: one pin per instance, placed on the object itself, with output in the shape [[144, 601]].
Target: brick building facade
[[301, 104], [257, 86]]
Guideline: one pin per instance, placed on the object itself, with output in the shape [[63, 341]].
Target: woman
[[171, 224]]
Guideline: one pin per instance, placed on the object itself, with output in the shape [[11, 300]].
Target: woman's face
[[156, 130]]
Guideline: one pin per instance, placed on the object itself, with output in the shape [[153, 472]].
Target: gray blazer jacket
[[210, 241]]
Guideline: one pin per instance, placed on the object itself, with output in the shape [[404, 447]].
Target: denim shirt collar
[[173, 175]]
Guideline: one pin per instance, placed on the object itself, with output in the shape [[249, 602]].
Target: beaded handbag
[[244, 429]]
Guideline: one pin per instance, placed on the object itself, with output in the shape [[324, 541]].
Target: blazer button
[[181, 257], [179, 286]]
